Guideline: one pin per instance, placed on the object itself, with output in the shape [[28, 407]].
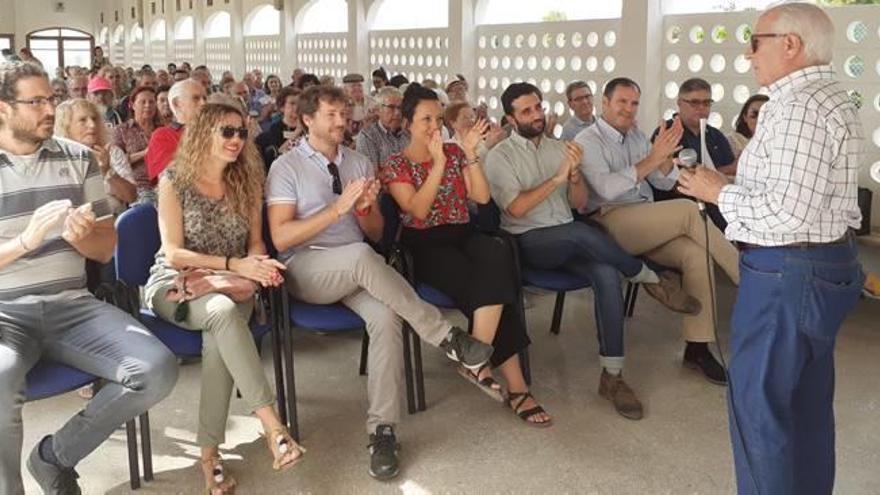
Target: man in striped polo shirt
[[52, 218]]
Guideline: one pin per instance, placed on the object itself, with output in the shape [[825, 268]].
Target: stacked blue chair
[[48, 378], [138, 242]]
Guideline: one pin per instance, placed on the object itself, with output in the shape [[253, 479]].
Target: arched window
[[324, 16], [398, 14], [521, 11], [103, 35], [118, 35], [137, 34], [157, 32], [219, 25], [61, 47], [185, 29], [263, 21]]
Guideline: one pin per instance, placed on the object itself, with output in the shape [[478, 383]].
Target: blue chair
[[136, 247], [48, 378]]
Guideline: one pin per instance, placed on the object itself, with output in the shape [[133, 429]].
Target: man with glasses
[[186, 98], [695, 103], [386, 137], [580, 101], [54, 215], [791, 209], [322, 201]]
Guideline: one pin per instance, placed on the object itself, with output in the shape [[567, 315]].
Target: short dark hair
[[415, 93], [694, 84], [575, 85], [311, 98], [380, 73], [138, 90], [398, 81], [740, 125], [285, 92], [308, 78], [612, 85], [13, 72], [516, 90]]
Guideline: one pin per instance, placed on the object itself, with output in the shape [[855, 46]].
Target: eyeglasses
[[578, 99], [228, 132], [39, 102], [393, 108], [337, 182], [753, 39], [699, 103]]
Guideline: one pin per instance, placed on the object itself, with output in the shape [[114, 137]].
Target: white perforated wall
[[548, 55], [137, 54], [217, 55], [184, 50], [418, 53], [264, 53], [323, 53], [157, 49]]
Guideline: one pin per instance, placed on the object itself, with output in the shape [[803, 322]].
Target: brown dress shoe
[[670, 294], [613, 388]]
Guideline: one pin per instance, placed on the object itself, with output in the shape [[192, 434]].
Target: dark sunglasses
[[337, 182], [228, 132], [753, 39]]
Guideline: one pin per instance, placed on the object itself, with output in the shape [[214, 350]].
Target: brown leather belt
[[745, 246]]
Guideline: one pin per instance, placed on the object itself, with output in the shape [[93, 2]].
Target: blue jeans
[[790, 306], [587, 252], [89, 335]]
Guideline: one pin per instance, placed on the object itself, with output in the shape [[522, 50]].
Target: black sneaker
[[462, 348], [383, 453], [53, 480], [697, 356]]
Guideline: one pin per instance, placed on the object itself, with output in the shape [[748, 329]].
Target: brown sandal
[[520, 398], [280, 444], [219, 479]]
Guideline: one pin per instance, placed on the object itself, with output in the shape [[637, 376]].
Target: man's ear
[[510, 120]]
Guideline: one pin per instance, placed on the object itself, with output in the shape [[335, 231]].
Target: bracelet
[[364, 212], [21, 243]]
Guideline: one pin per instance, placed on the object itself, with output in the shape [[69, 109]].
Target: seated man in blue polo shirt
[[695, 103]]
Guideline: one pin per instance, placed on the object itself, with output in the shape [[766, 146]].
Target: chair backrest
[[138, 232], [391, 214]]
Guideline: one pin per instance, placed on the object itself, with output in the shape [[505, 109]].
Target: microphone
[[687, 158]]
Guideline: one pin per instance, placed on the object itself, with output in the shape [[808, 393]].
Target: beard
[[31, 134], [531, 129]]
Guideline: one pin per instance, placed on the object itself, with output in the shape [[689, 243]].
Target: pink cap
[[99, 83]]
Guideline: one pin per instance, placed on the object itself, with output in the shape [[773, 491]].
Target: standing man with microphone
[[791, 209]]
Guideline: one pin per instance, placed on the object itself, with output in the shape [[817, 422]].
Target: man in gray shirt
[[386, 137], [618, 163], [322, 202], [580, 101], [536, 182], [53, 216]]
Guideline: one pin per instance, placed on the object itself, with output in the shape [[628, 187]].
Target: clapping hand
[[370, 194], [666, 142], [79, 223], [42, 221], [474, 135], [350, 195], [571, 162]]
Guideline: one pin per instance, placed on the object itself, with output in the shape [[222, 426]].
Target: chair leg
[[134, 475], [365, 348], [408, 370], [146, 446], [277, 357], [557, 313], [525, 365], [420, 375], [289, 378], [631, 307]]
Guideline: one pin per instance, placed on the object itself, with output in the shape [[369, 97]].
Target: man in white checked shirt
[[791, 210]]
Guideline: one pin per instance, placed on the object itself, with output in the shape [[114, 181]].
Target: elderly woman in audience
[[432, 183], [163, 106], [461, 118], [133, 136], [211, 263], [80, 120], [285, 134], [746, 123]]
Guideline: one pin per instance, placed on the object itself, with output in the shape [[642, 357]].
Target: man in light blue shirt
[[619, 163], [580, 101]]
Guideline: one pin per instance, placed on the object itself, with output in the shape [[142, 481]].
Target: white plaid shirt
[[797, 178]]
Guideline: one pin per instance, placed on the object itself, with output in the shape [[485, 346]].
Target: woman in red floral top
[[432, 183]]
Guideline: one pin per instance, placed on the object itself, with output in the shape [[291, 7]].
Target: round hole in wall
[[673, 62], [717, 63], [695, 62]]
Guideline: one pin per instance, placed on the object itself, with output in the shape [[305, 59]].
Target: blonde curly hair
[[244, 177], [64, 117]]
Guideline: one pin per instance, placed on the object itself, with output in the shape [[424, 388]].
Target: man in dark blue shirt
[[695, 103]]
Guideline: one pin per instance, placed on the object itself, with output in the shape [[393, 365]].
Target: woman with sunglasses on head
[[432, 183], [211, 263], [746, 122]]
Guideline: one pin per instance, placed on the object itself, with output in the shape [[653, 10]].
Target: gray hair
[[388, 92], [176, 92], [574, 86], [811, 24]]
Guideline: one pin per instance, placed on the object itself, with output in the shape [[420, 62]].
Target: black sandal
[[521, 397], [487, 385]]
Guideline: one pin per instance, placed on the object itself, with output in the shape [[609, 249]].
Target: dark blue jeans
[[587, 252], [790, 305]]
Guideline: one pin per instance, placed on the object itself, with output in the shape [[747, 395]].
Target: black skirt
[[475, 270]]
